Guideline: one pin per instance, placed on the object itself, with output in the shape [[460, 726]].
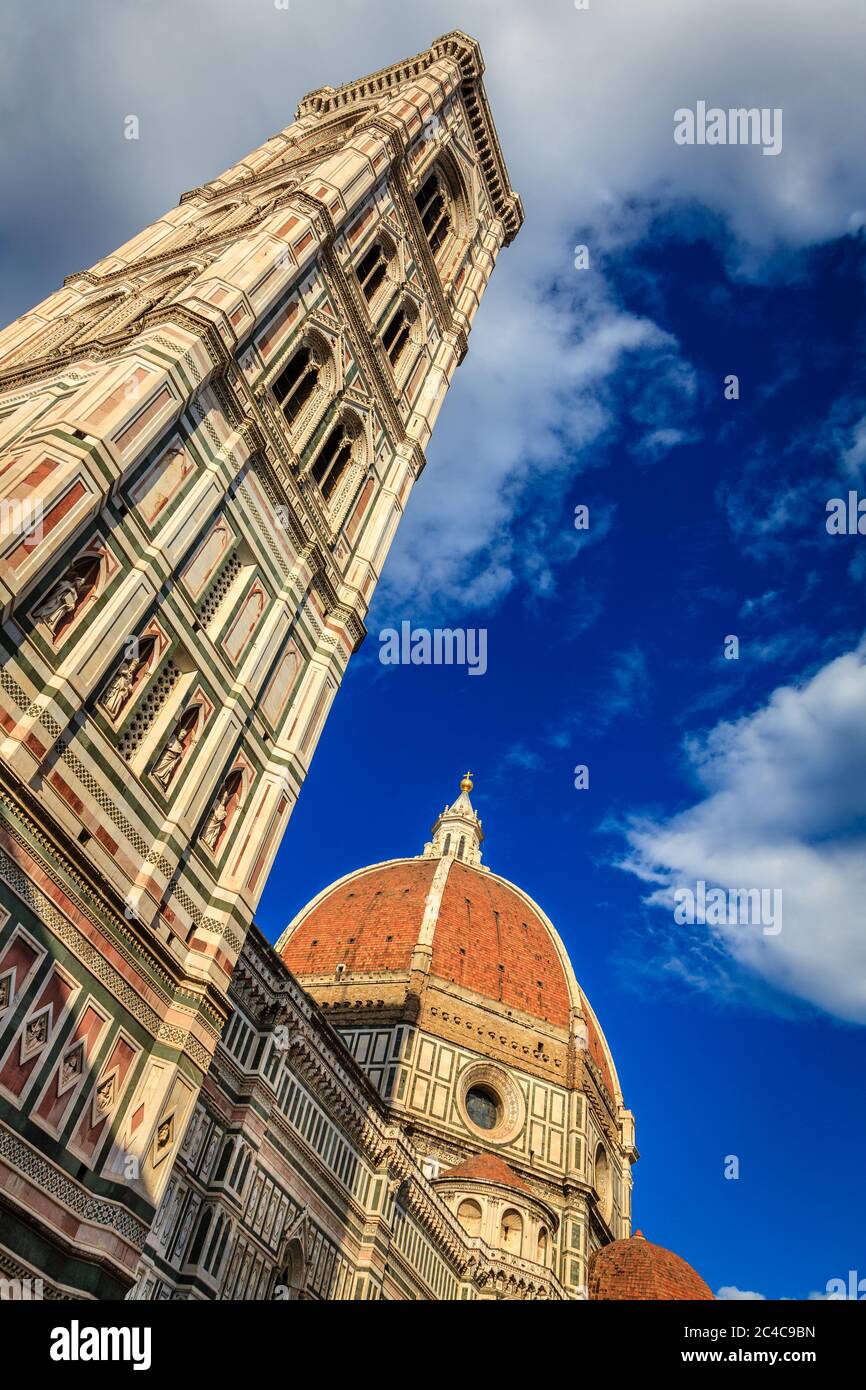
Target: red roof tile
[[637, 1269], [487, 1168]]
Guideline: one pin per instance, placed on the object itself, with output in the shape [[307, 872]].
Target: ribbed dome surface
[[486, 936], [637, 1269]]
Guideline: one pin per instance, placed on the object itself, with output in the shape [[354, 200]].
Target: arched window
[[511, 1232], [447, 844], [296, 384], [469, 1216], [432, 203], [333, 459], [289, 1284], [461, 846], [541, 1252], [372, 269], [395, 336]]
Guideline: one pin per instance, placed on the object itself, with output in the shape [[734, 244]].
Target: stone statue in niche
[[211, 832], [61, 603], [218, 816], [124, 681], [65, 600], [168, 760], [121, 687], [171, 755]]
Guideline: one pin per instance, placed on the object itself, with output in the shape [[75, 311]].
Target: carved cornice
[[466, 54], [506, 202]]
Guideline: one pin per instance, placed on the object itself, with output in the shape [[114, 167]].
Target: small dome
[[486, 1168], [637, 1269]]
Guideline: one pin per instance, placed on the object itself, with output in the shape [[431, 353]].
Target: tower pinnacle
[[457, 833]]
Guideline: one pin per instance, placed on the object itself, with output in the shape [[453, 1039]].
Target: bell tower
[[208, 441]]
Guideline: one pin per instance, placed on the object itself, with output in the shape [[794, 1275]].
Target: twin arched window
[[295, 386], [395, 336], [333, 458], [303, 390], [433, 206], [372, 269]]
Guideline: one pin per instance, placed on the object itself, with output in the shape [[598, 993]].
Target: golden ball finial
[[466, 783]]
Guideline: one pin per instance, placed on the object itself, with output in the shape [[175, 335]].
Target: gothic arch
[[378, 270], [218, 821], [77, 588], [446, 247], [306, 384], [401, 333], [292, 1275], [340, 458]]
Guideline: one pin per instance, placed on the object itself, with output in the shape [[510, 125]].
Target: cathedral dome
[[637, 1269], [390, 935]]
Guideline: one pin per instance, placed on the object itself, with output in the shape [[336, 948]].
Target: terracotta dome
[[384, 933], [372, 920], [487, 1168], [637, 1269]]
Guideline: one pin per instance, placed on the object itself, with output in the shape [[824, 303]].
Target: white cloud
[[760, 604], [854, 453], [783, 807], [584, 102], [731, 1293]]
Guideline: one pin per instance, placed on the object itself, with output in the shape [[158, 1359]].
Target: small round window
[[482, 1107]]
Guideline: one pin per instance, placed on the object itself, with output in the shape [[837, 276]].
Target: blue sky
[[601, 387], [617, 667]]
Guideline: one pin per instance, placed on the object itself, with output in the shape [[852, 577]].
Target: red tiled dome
[[367, 922], [487, 1168], [637, 1269], [486, 936]]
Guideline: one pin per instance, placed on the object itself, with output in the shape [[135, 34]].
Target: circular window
[[483, 1107], [491, 1105]]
